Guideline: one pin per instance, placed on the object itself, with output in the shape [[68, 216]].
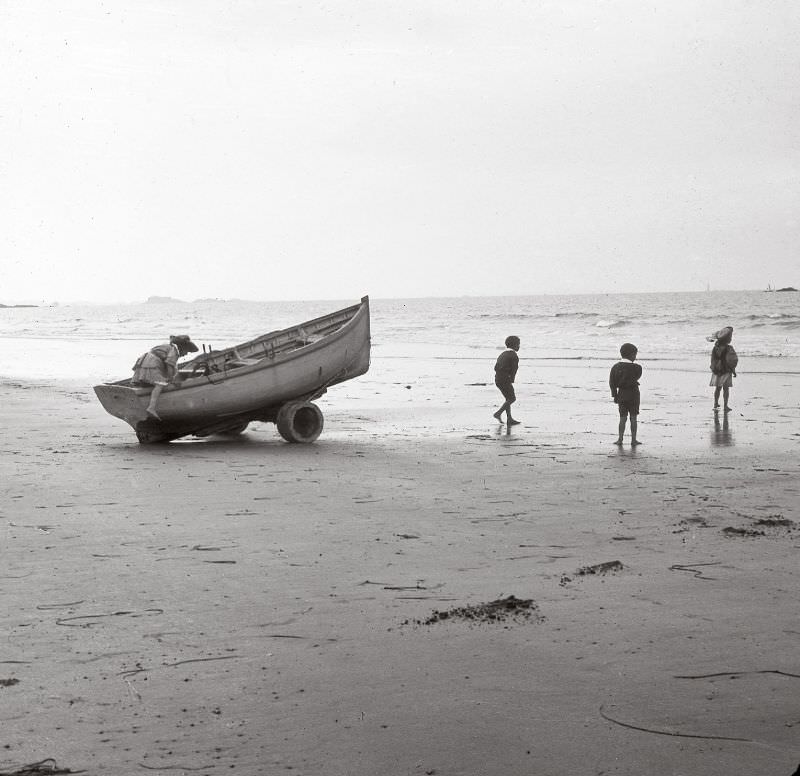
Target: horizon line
[[158, 299]]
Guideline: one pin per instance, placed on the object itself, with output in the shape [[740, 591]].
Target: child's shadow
[[721, 434], [504, 431], [623, 451]]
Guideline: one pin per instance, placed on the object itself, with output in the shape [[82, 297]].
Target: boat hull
[[253, 380]]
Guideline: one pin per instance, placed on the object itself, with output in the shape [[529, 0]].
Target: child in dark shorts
[[505, 370], [624, 383]]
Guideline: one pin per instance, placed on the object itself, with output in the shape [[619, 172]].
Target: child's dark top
[[624, 382], [723, 359], [505, 369]]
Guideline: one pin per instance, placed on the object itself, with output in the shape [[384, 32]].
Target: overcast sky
[[324, 150]]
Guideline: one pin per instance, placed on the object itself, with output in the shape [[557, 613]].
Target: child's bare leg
[[634, 427], [509, 420], [725, 397], [151, 407], [716, 396], [499, 413], [622, 420]]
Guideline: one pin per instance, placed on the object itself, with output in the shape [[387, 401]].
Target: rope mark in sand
[[670, 732]]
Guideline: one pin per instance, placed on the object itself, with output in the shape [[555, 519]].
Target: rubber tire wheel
[[299, 421]]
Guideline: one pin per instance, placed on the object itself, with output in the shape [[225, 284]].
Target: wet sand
[[249, 606]]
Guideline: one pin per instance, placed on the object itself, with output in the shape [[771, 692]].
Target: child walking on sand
[[723, 365], [505, 370], [624, 383]]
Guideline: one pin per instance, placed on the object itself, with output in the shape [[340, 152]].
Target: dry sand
[[248, 606]]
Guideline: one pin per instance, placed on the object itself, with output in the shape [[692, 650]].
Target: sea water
[[101, 341], [437, 354]]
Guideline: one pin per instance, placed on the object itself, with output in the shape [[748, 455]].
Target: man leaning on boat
[[159, 367]]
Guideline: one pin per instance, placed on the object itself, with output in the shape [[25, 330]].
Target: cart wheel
[[299, 421]]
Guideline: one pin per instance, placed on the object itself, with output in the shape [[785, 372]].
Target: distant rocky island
[[162, 300], [18, 305], [787, 288]]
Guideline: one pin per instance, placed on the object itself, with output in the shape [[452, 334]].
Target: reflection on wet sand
[[721, 436]]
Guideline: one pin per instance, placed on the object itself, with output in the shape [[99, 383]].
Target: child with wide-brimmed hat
[[723, 365]]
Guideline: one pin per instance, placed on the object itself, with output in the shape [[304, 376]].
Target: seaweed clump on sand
[[48, 767], [600, 568], [503, 610], [776, 521], [772, 523], [731, 531], [609, 567]]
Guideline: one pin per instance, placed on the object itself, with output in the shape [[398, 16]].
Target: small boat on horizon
[[272, 378]]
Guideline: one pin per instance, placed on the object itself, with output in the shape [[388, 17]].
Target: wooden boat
[[272, 378]]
